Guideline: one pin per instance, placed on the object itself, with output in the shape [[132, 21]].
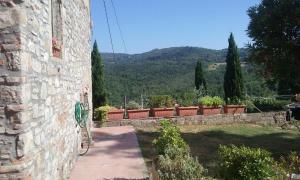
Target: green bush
[[269, 104], [251, 108], [161, 101], [235, 101], [177, 163], [101, 112], [211, 101], [264, 104], [133, 105], [187, 99], [245, 163], [169, 136], [290, 164]]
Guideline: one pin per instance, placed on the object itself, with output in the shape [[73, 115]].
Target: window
[[56, 20]]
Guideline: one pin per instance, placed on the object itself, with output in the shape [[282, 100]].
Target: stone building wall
[[39, 138]]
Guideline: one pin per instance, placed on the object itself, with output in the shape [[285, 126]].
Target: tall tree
[[275, 31], [233, 79], [99, 93], [199, 77]]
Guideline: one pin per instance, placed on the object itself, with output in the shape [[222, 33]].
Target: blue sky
[[150, 24]]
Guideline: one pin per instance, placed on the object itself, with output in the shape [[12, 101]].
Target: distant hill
[[175, 53], [170, 71]]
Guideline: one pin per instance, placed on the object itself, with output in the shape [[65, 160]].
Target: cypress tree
[[199, 77], [99, 93], [233, 80]]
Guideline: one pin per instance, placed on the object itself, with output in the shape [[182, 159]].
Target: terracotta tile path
[[115, 154]]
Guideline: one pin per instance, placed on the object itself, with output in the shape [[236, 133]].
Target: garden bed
[[205, 140]]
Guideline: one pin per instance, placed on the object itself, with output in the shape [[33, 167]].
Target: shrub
[[178, 164], [291, 164], [161, 101], [235, 101], [269, 104], [187, 99], [245, 163], [169, 136], [264, 104], [101, 112], [251, 108], [211, 101], [133, 105]]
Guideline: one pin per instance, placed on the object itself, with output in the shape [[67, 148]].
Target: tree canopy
[[99, 93], [199, 77], [275, 31], [233, 79]]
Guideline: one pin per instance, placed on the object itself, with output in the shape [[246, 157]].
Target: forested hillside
[[171, 71]]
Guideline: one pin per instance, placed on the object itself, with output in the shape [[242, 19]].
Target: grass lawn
[[205, 140]]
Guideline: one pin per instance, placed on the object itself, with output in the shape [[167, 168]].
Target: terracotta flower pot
[[234, 109], [116, 114], [162, 112], [187, 111], [209, 110], [138, 113]]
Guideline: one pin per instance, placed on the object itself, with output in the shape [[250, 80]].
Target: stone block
[[36, 66], [13, 61], [11, 47], [2, 130], [14, 108], [43, 94], [9, 94], [15, 80]]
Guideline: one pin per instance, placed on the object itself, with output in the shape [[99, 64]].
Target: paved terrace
[[115, 154]]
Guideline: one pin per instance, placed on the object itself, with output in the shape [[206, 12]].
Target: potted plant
[[108, 113], [210, 105], [161, 106], [56, 48], [134, 111], [186, 105], [234, 106]]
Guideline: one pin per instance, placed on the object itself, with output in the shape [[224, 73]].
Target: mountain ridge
[[185, 52]]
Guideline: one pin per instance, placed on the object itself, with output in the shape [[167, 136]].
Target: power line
[[107, 21], [119, 27]]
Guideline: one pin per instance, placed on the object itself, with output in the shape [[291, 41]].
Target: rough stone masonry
[[39, 138]]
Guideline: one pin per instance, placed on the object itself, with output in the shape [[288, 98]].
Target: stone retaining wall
[[39, 138], [258, 118]]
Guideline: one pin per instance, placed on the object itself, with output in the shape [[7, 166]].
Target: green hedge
[[265, 104]]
